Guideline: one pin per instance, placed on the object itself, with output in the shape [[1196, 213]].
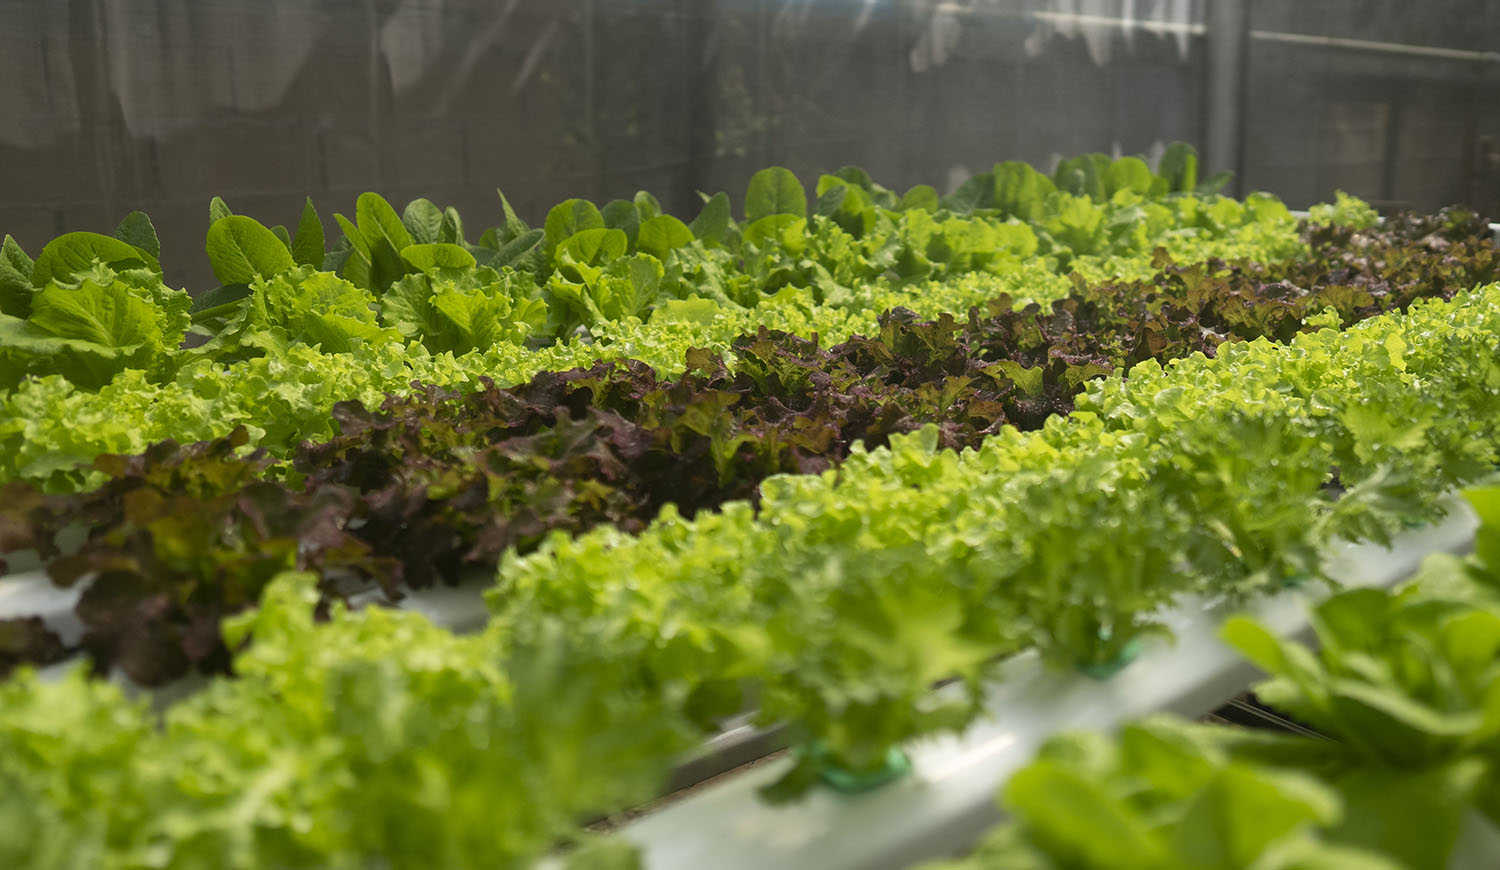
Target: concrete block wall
[[1376, 112], [110, 105]]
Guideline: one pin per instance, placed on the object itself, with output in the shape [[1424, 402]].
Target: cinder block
[[348, 158], [96, 216], [421, 152], [32, 226], [236, 157], [63, 169]]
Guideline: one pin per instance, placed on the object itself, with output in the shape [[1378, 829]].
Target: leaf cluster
[[1402, 693], [837, 604], [442, 482]]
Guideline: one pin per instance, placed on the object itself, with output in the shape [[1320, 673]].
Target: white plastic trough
[[948, 800]]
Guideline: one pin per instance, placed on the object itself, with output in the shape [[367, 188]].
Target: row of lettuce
[[847, 594], [90, 334], [1405, 775], [836, 603], [437, 485]]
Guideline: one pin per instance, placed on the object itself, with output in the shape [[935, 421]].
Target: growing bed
[[891, 479]]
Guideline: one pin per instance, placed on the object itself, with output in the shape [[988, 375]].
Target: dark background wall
[[110, 105], [1400, 106]]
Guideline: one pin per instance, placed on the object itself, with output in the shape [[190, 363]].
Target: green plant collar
[[841, 779], [1105, 670]]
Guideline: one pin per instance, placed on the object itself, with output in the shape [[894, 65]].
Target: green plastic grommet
[[897, 764], [1114, 666]]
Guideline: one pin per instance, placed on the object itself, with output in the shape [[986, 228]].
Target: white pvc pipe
[[949, 799]]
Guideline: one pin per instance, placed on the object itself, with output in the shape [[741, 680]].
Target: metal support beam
[[1228, 31]]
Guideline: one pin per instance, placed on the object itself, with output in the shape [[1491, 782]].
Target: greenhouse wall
[[161, 104]]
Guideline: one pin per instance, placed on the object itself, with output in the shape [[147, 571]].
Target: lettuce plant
[[89, 307]]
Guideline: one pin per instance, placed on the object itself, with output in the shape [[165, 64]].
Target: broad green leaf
[[1471, 640], [1021, 191], [477, 318], [568, 218], [646, 206], [632, 285], [386, 266], [213, 302], [1128, 173], [15, 279], [82, 363], [1078, 821], [136, 229], [857, 177], [1244, 813], [1376, 431], [407, 305], [513, 251], [424, 221], [1027, 380], [695, 310], [312, 308], [1078, 374], [1166, 757], [774, 190], [90, 333], [1268, 210], [1179, 166], [1355, 620], [1256, 643], [279, 231], [1077, 222], [1413, 816], [977, 192], [307, 245], [353, 236], [831, 197], [784, 230], [1485, 500], [853, 210], [594, 246], [922, 196], [662, 234], [72, 253], [217, 210], [1486, 504], [378, 221], [622, 215], [1395, 718], [377, 264], [1346, 210], [1083, 176], [437, 255], [107, 316], [452, 229], [1214, 183], [355, 265], [1302, 679], [240, 249], [458, 317], [712, 221], [513, 226]]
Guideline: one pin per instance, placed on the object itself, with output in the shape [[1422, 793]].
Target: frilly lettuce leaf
[[90, 332], [473, 310], [300, 307], [15, 279]]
